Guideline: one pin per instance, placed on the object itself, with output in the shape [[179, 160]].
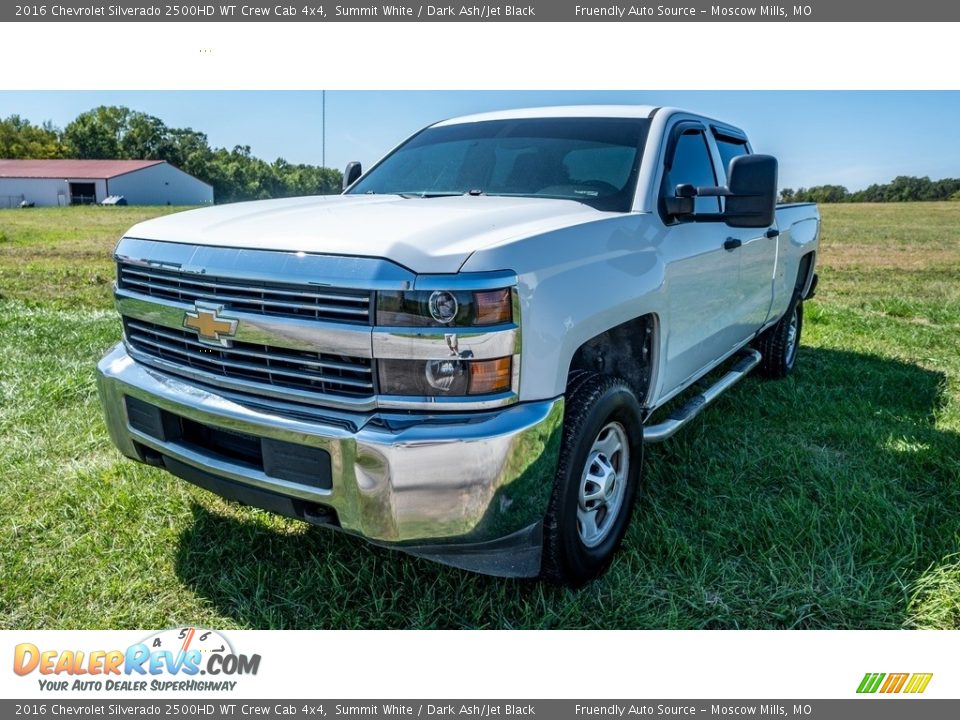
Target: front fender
[[575, 283]]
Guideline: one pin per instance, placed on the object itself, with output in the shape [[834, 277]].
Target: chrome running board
[[681, 416]]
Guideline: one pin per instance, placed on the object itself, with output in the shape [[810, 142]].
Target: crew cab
[[462, 355]]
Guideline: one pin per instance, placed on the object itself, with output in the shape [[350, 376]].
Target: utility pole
[[323, 128]]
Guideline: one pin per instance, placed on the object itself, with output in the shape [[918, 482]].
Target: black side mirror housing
[[350, 175], [680, 206], [752, 188]]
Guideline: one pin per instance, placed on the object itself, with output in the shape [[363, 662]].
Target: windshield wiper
[[429, 194]]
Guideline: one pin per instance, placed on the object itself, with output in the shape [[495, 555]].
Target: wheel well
[[804, 273], [627, 351]]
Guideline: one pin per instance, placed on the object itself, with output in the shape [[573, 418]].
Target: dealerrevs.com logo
[[169, 660]]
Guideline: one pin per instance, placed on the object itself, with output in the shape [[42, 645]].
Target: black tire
[[594, 403], [779, 354]]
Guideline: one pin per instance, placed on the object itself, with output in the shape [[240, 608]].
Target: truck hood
[[425, 235]]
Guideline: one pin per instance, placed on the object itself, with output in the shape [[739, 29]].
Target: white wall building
[[78, 182]]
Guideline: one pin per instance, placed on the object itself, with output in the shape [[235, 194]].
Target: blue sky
[[852, 138]]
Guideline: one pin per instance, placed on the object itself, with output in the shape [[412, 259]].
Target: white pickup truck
[[463, 354]]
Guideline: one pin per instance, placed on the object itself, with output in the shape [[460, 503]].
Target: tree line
[[901, 189], [114, 132]]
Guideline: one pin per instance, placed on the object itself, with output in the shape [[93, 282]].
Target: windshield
[[592, 160]]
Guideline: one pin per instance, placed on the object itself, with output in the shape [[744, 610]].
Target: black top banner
[[521, 11]]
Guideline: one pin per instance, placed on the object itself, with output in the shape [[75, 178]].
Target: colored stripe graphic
[[918, 682], [870, 682], [894, 683]]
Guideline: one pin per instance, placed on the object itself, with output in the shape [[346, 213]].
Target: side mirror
[[751, 201], [350, 175], [750, 194], [681, 205]]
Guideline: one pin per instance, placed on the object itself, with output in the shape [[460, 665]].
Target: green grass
[[829, 500], [61, 257]]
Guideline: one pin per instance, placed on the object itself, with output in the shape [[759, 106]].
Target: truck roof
[[616, 111]]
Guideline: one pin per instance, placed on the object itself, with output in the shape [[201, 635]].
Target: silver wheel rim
[[603, 484], [792, 331]]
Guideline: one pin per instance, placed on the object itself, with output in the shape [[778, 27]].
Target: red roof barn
[[81, 182]]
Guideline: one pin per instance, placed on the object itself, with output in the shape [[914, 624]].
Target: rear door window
[[730, 148]]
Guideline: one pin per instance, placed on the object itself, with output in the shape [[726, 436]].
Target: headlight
[[448, 377], [443, 308], [457, 344]]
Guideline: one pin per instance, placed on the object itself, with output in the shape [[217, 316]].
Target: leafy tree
[[20, 139], [97, 133], [832, 194], [908, 189], [190, 151], [306, 179], [822, 194], [145, 137], [118, 132]]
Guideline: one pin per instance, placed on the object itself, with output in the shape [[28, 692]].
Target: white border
[[501, 56]]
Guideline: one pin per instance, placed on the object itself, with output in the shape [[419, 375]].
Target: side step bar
[[681, 416]]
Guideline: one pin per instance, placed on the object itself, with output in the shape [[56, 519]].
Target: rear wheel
[[779, 344], [597, 479]]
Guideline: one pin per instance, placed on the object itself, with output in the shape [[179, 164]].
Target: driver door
[[702, 277]]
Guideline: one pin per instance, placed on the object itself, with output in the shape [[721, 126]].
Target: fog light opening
[[441, 374]]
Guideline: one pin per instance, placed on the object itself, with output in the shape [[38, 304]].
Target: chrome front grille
[[308, 302], [282, 368]]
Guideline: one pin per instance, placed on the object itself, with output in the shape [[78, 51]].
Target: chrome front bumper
[[466, 490]]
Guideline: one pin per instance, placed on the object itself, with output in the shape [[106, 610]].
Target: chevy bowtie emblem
[[211, 327]]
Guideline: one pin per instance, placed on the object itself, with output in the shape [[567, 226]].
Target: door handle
[[772, 233], [731, 243]]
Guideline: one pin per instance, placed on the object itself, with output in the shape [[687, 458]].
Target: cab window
[[691, 164]]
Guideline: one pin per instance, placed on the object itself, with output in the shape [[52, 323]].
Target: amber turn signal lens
[[490, 376], [492, 307]]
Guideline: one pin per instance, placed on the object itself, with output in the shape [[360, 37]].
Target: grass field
[[830, 500]]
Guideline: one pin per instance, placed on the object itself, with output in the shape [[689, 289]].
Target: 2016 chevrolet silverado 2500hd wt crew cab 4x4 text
[[463, 354]]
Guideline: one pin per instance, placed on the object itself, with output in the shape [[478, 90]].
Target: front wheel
[[597, 478], [779, 344]]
